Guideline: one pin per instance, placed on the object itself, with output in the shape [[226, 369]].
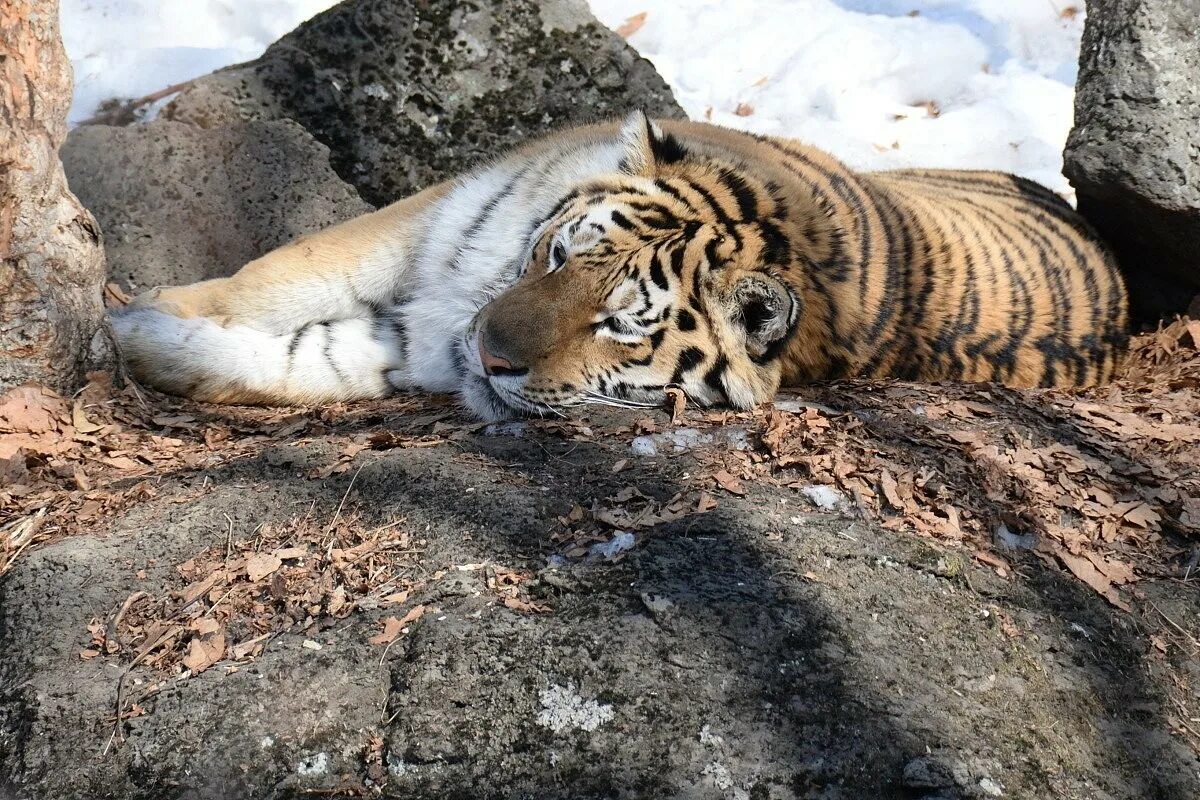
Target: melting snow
[[958, 83]]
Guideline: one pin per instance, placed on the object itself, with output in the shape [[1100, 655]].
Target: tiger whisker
[[616, 402]]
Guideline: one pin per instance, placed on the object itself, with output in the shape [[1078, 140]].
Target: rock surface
[[758, 651], [179, 204], [408, 94], [51, 262], [1133, 156]]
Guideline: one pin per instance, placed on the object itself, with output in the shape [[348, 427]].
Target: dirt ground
[[392, 600]]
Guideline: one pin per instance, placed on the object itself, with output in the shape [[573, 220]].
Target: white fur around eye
[[618, 328], [621, 298]]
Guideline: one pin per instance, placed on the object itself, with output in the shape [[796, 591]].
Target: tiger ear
[[766, 310], [647, 147]]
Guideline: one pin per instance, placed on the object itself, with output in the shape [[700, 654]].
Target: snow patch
[[681, 440], [621, 542], [314, 766], [856, 77], [979, 84], [131, 48], [825, 498], [1008, 540]]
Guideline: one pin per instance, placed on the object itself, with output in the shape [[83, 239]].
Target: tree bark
[[52, 268]]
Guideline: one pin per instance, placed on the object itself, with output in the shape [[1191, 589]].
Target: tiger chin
[[602, 264]]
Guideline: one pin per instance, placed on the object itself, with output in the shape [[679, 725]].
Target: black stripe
[[341, 376], [656, 272], [741, 191], [677, 260], [712, 378], [689, 359], [621, 221], [777, 248], [485, 213], [710, 253], [671, 190], [713, 204], [667, 149], [566, 200], [294, 344]]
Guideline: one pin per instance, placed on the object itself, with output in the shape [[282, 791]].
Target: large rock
[[179, 204], [406, 94], [1133, 156], [757, 651]]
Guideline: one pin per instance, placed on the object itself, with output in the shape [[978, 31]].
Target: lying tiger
[[604, 263]]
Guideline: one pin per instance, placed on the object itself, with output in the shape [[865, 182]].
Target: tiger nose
[[494, 364]]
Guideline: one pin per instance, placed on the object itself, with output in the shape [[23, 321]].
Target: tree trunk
[[51, 261]]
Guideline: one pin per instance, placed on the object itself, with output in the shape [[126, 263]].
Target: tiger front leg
[[352, 270], [202, 299], [311, 322]]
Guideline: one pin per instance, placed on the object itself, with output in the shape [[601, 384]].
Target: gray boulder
[[407, 94], [1133, 156], [756, 651], [179, 204]]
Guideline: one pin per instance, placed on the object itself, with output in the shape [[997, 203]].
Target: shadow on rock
[[758, 651]]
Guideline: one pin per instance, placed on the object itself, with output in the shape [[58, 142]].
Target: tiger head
[[682, 269]]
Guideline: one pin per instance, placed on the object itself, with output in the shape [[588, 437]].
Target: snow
[[131, 48], [984, 84], [854, 77]]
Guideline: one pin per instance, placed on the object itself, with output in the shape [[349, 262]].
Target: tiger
[[606, 263]]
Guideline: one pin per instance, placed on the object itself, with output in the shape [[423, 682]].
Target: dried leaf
[[125, 464], [729, 483], [285, 553], [204, 625], [396, 598], [744, 110], [248, 648], [115, 296], [1086, 571], [931, 108], [1143, 516], [632, 25], [525, 606], [676, 401], [204, 652], [887, 484], [30, 409], [260, 565], [80, 421], [391, 629]]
